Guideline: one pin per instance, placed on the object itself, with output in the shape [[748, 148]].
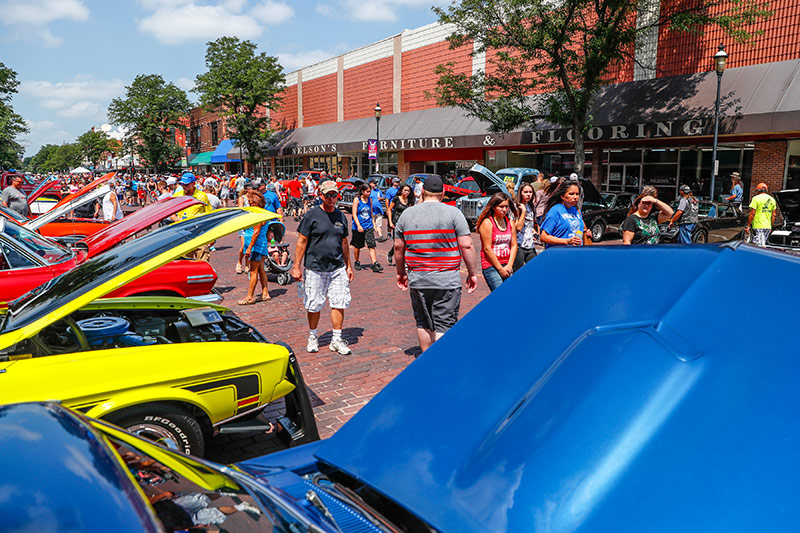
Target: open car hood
[[62, 209], [137, 221], [86, 188], [789, 202], [96, 277], [485, 178], [44, 186], [619, 403]]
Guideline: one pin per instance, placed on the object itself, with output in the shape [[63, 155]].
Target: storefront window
[[286, 167], [388, 164], [793, 165], [332, 164]]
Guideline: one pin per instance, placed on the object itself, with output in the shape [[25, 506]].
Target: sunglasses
[[332, 194]]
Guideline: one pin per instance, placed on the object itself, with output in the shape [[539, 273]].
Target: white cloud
[[186, 84], [180, 21], [291, 61], [272, 13], [82, 109], [81, 88], [374, 10], [28, 19]]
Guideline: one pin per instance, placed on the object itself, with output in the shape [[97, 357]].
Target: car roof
[[62, 476], [637, 410]]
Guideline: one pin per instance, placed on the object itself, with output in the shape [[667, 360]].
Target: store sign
[[372, 149], [415, 144], [621, 132], [465, 165], [312, 149]]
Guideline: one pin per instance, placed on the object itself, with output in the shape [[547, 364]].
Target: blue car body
[[659, 396]]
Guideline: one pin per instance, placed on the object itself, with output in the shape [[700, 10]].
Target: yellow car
[[171, 369]]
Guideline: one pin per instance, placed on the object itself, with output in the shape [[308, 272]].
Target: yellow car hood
[[65, 294]]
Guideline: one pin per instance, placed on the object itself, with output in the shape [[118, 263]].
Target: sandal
[[266, 298], [239, 268], [247, 301]]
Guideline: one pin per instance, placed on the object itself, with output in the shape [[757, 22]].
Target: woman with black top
[[646, 213], [402, 201]]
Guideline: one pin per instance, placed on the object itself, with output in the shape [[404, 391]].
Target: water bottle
[[300, 289]]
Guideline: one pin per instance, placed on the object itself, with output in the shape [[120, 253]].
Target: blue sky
[[73, 57]]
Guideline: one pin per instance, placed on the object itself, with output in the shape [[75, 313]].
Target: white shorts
[[318, 285]]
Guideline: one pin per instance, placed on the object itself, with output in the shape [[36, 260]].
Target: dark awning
[[220, 154]]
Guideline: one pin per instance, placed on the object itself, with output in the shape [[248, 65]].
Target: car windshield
[[50, 251], [13, 214], [470, 185]]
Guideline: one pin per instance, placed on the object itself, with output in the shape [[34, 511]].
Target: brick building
[[653, 124]]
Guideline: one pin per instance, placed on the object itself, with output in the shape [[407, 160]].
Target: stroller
[[270, 264]]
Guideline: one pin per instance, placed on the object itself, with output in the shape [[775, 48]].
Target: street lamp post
[[720, 58], [377, 137]]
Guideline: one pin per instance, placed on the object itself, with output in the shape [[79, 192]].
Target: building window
[[286, 167], [214, 134]]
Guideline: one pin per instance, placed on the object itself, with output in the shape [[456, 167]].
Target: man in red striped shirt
[[432, 238]]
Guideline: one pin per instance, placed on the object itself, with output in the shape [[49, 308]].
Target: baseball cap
[[762, 187], [685, 188], [573, 176], [328, 186], [188, 177], [433, 184], [396, 180]]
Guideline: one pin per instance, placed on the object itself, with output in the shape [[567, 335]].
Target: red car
[[28, 260]]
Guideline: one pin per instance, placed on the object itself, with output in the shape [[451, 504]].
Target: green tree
[[11, 124], [565, 49], [241, 84], [151, 112], [39, 161], [95, 145], [63, 158]]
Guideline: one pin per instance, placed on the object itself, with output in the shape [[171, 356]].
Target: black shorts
[[295, 202], [436, 309], [360, 237]]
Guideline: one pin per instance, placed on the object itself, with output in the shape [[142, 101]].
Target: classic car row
[[150, 364], [625, 418]]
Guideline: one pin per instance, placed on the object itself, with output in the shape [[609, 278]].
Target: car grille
[[347, 198], [472, 207]]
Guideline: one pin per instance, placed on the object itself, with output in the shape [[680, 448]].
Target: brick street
[[379, 326]]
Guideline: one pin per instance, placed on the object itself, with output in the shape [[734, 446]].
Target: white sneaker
[[313, 344], [340, 345]]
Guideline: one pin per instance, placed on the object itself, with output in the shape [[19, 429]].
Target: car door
[[729, 225], [619, 213], [19, 271]]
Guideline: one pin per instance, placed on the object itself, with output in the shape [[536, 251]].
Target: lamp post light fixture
[[720, 59], [377, 137]]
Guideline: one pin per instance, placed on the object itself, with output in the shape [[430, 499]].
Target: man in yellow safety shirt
[[189, 188]]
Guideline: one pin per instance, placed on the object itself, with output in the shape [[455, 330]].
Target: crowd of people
[[431, 240]]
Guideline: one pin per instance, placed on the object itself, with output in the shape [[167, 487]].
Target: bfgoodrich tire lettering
[[169, 426]]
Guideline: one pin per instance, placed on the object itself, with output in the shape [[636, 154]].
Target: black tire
[[283, 278], [169, 426], [596, 230], [700, 237]]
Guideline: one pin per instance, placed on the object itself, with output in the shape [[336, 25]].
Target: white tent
[[79, 170]]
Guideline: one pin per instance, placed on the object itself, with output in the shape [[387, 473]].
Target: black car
[[717, 222], [787, 235], [348, 192], [608, 217]]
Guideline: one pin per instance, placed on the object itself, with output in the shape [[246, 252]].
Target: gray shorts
[[319, 285], [436, 309]]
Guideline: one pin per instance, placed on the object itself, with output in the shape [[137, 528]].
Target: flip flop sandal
[[247, 301]]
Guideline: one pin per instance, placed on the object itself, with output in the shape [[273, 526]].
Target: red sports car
[[28, 259]]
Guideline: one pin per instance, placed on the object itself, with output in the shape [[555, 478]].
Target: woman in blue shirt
[[736, 190], [563, 222]]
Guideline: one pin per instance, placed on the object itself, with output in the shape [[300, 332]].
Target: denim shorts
[[255, 256], [492, 277]]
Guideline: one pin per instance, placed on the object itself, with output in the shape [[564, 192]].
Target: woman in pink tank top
[[498, 240]]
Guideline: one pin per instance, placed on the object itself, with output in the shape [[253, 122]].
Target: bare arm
[[299, 253], [520, 222], [354, 212], [677, 217], [513, 256], [468, 253], [346, 255], [664, 211], [627, 237], [400, 263]]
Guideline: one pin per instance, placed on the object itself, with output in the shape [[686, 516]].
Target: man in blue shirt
[[272, 200], [736, 190]]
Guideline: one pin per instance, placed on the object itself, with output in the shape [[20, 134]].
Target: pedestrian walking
[[686, 215], [14, 198], [417, 189], [323, 251], [525, 226], [376, 201], [111, 209], [257, 248], [762, 215], [363, 231], [644, 217], [431, 240], [400, 202], [563, 221], [498, 241]]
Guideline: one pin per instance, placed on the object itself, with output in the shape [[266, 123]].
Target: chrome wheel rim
[[155, 433]]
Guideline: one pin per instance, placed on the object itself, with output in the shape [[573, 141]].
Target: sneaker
[[389, 261], [357, 266], [381, 239], [340, 345], [313, 344], [376, 267]]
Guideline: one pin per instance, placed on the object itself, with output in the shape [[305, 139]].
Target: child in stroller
[[277, 260]]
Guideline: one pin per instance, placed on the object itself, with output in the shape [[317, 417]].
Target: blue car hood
[[600, 389]]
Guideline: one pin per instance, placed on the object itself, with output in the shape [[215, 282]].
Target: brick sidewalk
[[379, 327]]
